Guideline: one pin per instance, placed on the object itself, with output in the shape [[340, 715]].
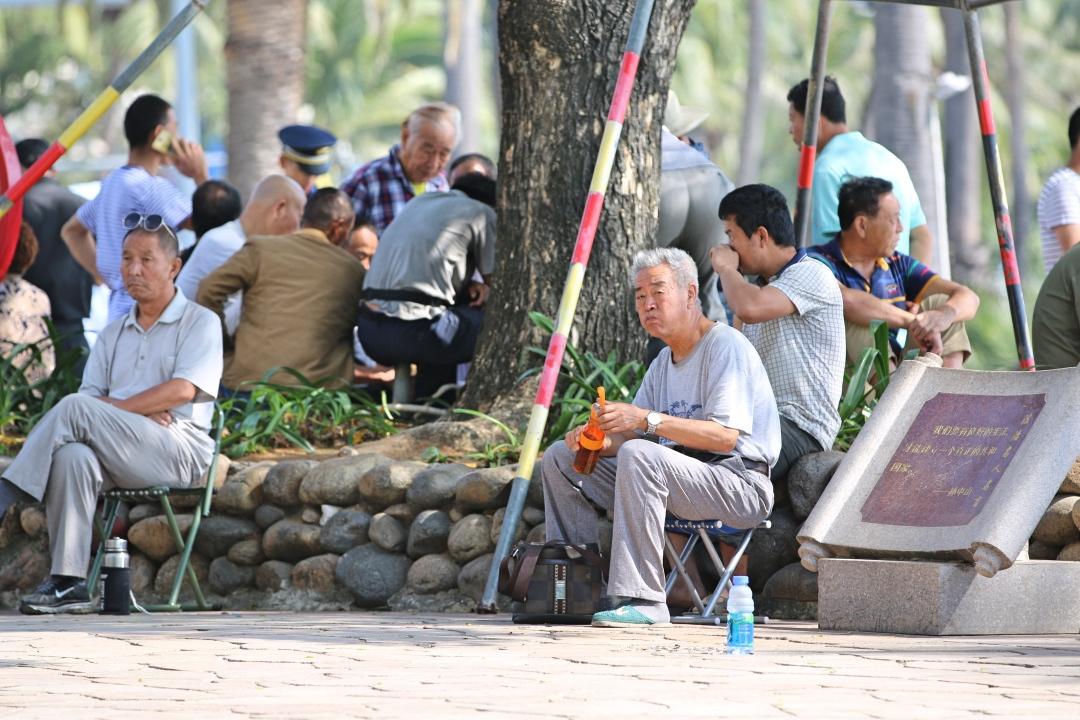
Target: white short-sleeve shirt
[[1059, 204]]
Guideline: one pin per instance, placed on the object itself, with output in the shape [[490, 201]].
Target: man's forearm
[[922, 245], [166, 396], [861, 308], [81, 245], [699, 434], [964, 304]]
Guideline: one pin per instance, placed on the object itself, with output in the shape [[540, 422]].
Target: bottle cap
[[740, 580], [116, 545]]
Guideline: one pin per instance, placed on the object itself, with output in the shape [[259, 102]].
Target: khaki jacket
[[301, 296]]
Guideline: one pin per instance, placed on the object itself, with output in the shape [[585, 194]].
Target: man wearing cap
[[413, 167], [306, 151]]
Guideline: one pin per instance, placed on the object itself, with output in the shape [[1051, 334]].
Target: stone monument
[[947, 480]]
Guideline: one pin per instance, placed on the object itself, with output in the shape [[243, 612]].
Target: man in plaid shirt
[[381, 188]]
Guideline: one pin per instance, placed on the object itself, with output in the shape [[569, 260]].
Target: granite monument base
[[1032, 597]]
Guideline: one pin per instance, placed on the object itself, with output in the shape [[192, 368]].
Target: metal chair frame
[[707, 532], [185, 547]]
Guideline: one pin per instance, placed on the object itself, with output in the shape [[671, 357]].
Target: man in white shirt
[[1059, 203], [274, 209]]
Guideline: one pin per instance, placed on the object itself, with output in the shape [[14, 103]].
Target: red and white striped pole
[[564, 319]]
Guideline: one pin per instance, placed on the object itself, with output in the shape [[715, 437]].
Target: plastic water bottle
[[740, 623]]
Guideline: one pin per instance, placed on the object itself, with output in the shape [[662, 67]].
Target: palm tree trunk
[[264, 57], [753, 129], [963, 165]]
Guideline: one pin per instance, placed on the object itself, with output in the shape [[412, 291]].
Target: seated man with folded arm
[[697, 442], [141, 417]]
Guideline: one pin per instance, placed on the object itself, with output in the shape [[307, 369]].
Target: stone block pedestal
[[1032, 597]]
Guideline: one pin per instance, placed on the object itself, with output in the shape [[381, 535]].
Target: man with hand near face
[[794, 319], [141, 417], [879, 283], [697, 442]]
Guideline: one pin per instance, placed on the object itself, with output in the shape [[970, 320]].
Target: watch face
[[653, 419]]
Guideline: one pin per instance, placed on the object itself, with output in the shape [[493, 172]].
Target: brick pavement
[[384, 665]]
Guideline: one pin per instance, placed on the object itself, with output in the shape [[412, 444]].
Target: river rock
[[32, 520], [282, 484], [226, 576], [1071, 485], [344, 531], [435, 486], [432, 574], [24, 563], [167, 572], [247, 552], [273, 575], [1057, 526], [242, 493], [485, 489], [537, 534], [792, 582], [291, 541], [267, 515], [428, 533], [1070, 552], [222, 471], [497, 523], [534, 497], [387, 532], [1041, 551], [372, 574], [470, 538], [218, 533], [315, 573], [808, 478], [473, 576], [337, 481], [773, 548], [532, 516], [143, 511], [143, 572], [402, 512], [386, 485], [154, 538]]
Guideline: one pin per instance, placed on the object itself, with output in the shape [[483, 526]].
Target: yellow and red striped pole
[[564, 319], [93, 113]]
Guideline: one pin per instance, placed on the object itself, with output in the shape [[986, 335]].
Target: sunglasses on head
[[149, 223]]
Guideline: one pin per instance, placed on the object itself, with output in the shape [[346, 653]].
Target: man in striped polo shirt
[[95, 235], [1059, 203]]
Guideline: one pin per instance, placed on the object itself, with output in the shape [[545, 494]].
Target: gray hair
[[435, 112], [681, 264]]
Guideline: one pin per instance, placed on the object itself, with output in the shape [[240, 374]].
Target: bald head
[[274, 208]]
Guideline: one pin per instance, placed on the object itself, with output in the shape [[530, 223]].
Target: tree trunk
[[965, 176], [264, 57], [753, 128], [559, 63], [899, 104], [1020, 199], [461, 60]]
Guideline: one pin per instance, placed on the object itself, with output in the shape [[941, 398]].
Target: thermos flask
[[116, 578]]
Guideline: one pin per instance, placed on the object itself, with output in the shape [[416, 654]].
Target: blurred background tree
[[368, 62]]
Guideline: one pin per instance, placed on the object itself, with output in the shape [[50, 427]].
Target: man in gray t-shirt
[[697, 442], [429, 280], [795, 320]]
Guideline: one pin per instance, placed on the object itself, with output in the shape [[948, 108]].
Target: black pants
[[390, 341], [794, 443]]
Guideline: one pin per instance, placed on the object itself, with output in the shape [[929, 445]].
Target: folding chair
[[706, 532], [162, 493]]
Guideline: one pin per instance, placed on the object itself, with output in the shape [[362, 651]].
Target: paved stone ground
[[383, 665]]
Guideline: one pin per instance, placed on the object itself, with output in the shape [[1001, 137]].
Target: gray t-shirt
[[433, 246], [723, 380], [804, 353]]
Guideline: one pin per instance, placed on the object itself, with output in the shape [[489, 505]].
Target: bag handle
[[516, 581]]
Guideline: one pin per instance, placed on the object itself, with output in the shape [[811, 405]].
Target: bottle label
[[740, 630]]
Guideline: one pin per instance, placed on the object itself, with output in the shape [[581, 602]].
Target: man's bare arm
[[922, 245], [80, 242], [623, 419], [1067, 236], [860, 308], [159, 398]]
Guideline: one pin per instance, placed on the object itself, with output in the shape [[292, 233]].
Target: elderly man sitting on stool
[[140, 418], [697, 442]]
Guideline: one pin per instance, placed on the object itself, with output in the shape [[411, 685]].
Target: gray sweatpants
[[83, 446], [643, 483]]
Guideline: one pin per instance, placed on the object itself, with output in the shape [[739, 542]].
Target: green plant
[[579, 375], [494, 454], [865, 383], [24, 401], [269, 415]]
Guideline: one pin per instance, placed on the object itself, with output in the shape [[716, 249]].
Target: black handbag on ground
[[552, 583]]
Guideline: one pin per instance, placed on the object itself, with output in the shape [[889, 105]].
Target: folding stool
[[707, 532]]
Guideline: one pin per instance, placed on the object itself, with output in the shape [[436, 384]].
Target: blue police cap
[[308, 146]]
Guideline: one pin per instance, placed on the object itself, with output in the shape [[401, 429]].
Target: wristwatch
[[653, 420]]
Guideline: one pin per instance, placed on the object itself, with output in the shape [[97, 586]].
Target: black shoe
[[57, 595]]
